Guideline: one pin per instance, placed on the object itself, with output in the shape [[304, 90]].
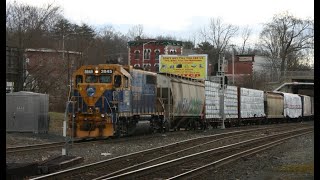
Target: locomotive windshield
[[105, 79], [91, 79]]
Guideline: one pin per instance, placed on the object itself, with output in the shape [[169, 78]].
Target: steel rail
[[34, 147], [98, 165], [198, 171], [175, 162]]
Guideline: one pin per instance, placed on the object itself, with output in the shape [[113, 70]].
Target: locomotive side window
[[105, 79], [126, 82], [91, 79], [150, 79], [79, 79], [117, 80]]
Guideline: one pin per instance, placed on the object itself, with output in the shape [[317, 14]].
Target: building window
[[145, 65], [136, 65], [136, 54], [173, 51], [156, 64], [157, 53], [147, 53]]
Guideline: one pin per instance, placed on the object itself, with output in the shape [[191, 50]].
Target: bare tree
[[219, 35], [246, 32], [25, 27], [285, 35], [135, 31], [24, 23], [110, 46]]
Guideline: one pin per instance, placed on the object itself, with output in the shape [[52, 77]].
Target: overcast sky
[[179, 18]]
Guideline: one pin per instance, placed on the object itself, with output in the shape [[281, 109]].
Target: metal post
[[223, 92], [232, 66], [65, 147], [221, 76], [143, 55], [72, 135]]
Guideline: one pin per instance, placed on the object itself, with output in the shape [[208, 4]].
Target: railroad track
[[55, 145], [134, 161], [44, 146], [34, 147], [194, 165]]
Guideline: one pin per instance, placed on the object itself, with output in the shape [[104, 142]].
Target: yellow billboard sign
[[193, 66]]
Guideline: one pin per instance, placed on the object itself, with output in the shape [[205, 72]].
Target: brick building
[[243, 69], [48, 72], [144, 53], [46, 58]]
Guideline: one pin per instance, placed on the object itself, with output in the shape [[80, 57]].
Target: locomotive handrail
[[108, 104]]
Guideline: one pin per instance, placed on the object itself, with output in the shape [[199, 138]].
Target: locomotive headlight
[[96, 71], [102, 115], [91, 91]]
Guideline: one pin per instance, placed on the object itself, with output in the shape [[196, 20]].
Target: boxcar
[[251, 102], [213, 100], [292, 106], [274, 106]]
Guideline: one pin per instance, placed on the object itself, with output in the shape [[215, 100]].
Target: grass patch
[[56, 122], [298, 168]]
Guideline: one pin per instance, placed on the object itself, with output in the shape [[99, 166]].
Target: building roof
[[51, 51], [156, 42]]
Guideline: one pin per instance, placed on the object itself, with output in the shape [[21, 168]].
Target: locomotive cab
[[99, 94]]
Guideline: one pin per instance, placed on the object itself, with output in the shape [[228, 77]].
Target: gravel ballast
[[290, 160]]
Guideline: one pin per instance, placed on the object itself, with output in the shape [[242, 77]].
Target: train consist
[[111, 100]]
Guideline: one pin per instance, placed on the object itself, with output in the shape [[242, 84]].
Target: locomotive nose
[[91, 91]]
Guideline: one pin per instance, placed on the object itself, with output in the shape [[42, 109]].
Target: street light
[[65, 147], [69, 75], [143, 52]]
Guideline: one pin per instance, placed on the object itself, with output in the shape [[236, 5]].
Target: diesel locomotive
[[110, 99]]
